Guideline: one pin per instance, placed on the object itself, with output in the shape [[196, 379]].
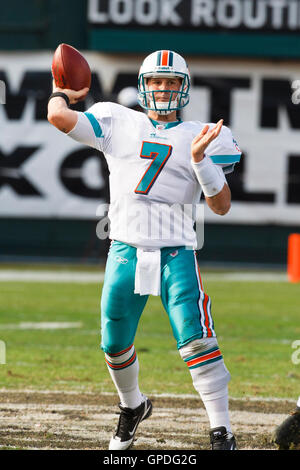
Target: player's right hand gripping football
[[74, 96], [202, 140]]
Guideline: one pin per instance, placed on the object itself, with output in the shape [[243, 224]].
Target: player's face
[[159, 83]]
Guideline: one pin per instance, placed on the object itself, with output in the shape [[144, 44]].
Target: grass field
[[256, 324]]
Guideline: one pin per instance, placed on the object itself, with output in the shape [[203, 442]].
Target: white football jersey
[[153, 187]]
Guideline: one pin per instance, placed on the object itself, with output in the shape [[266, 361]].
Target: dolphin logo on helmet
[[163, 64]]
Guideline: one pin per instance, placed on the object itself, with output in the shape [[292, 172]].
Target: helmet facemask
[[177, 98]]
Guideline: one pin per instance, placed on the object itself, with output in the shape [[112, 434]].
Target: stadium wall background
[[50, 187]]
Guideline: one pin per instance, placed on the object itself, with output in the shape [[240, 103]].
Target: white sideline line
[[154, 395], [247, 277], [84, 277], [50, 276], [40, 325]]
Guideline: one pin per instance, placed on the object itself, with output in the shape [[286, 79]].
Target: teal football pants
[[183, 298]]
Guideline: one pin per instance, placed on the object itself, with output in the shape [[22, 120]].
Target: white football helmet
[[163, 64]]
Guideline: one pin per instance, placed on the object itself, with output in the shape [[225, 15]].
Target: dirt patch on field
[[58, 420]]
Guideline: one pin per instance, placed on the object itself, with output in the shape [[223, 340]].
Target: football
[[70, 69]]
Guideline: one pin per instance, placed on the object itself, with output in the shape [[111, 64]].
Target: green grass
[[256, 324]]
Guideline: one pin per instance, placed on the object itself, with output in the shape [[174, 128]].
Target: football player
[[159, 165]]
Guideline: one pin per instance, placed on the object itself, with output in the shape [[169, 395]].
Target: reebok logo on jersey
[[156, 136], [121, 260]]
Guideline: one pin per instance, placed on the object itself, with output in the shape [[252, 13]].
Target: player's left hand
[[202, 140]]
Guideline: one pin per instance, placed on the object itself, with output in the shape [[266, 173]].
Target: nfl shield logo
[[175, 253]]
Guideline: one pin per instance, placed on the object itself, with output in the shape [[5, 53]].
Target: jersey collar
[[168, 124]]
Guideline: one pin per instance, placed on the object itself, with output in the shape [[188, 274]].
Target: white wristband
[[210, 176]]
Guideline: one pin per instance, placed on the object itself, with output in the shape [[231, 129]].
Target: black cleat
[[128, 423], [288, 432], [220, 439]]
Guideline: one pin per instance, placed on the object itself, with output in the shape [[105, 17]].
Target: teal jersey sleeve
[[93, 127]]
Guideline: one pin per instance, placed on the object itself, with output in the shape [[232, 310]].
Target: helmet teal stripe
[[158, 58]]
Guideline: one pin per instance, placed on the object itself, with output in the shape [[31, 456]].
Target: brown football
[[70, 69]]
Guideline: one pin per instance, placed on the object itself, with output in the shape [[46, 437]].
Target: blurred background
[[244, 59]]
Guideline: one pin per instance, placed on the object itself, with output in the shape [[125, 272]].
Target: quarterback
[[159, 166]]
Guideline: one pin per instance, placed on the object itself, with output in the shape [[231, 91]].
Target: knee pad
[[205, 362]]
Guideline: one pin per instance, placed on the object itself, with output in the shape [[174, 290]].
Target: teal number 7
[[159, 154]]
